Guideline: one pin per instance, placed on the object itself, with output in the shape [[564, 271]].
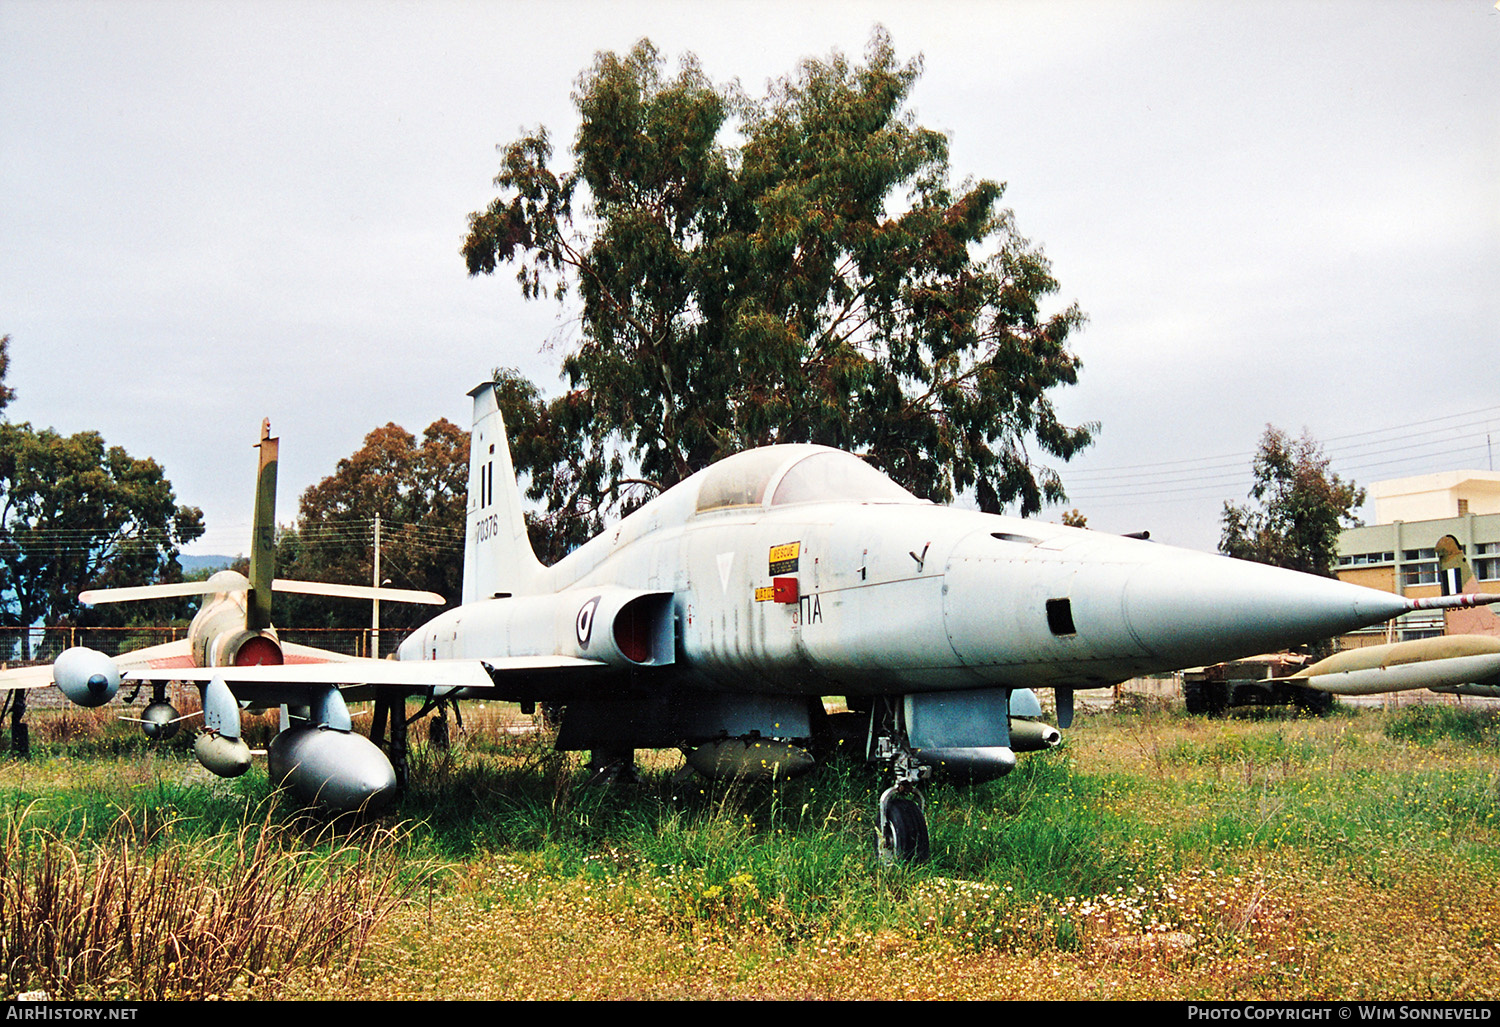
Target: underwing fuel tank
[[337, 770], [971, 763], [160, 721]]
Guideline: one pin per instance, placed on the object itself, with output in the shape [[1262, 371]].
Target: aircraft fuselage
[[890, 595]]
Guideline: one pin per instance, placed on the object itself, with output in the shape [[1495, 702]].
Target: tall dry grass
[[143, 916]]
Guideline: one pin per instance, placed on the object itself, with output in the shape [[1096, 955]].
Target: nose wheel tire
[[903, 831]]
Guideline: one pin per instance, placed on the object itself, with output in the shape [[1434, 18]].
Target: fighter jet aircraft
[[232, 631], [1458, 664], [716, 617]]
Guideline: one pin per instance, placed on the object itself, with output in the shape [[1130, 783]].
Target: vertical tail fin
[[498, 558], [263, 534], [1457, 577], [1454, 574]]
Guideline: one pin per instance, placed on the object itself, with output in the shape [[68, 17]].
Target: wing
[[178, 589], [152, 658], [361, 676], [17, 678]]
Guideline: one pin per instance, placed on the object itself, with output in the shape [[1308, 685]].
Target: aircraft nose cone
[[1202, 609]]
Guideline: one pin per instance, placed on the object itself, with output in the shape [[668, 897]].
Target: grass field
[[1154, 856]]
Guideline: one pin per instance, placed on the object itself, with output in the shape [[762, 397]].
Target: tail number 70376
[[486, 528]]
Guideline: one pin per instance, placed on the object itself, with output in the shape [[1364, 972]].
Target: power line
[[1215, 474]]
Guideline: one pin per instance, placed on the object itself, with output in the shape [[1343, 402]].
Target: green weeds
[[1153, 856], [1427, 724]]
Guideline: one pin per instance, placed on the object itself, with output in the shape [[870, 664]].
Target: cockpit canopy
[[792, 475]]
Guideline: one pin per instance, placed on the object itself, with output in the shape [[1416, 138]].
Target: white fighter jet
[[716, 617]]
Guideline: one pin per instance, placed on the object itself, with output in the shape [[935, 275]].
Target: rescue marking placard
[[784, 558]]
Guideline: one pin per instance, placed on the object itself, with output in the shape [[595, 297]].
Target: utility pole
[[375, 611]]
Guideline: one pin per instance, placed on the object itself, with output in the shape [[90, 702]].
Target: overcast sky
[[1271, 212]]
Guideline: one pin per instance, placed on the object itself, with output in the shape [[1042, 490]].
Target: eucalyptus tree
[[793, 268]]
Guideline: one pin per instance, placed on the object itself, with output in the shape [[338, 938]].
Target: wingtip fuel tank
[[86, 676]]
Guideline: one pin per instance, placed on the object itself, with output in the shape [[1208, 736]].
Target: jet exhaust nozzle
[[337, 770], [86, 676], [1033, 736], [245, 648]]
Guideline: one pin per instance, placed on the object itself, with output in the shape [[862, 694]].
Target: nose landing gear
[[902, 824], [903, 827]]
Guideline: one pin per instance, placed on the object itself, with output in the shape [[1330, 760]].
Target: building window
[[1419, 574], [1416, 633], [1487, 562]]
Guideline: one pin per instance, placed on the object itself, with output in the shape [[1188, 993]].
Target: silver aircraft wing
[[475, 674], [38, 676], [164, 657]]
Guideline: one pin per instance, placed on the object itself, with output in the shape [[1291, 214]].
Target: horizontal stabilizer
[[177, 589], [292, 652], [139, 593], [392, 595]]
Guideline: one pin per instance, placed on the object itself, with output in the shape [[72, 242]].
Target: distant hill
[[205, 563]]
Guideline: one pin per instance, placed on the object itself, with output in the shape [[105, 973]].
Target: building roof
[[1428, 497]]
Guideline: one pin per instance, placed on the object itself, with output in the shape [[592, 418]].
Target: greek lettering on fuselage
[[486, 528], [810, 609]]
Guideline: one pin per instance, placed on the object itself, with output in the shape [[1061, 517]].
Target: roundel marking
[[585, 621]]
